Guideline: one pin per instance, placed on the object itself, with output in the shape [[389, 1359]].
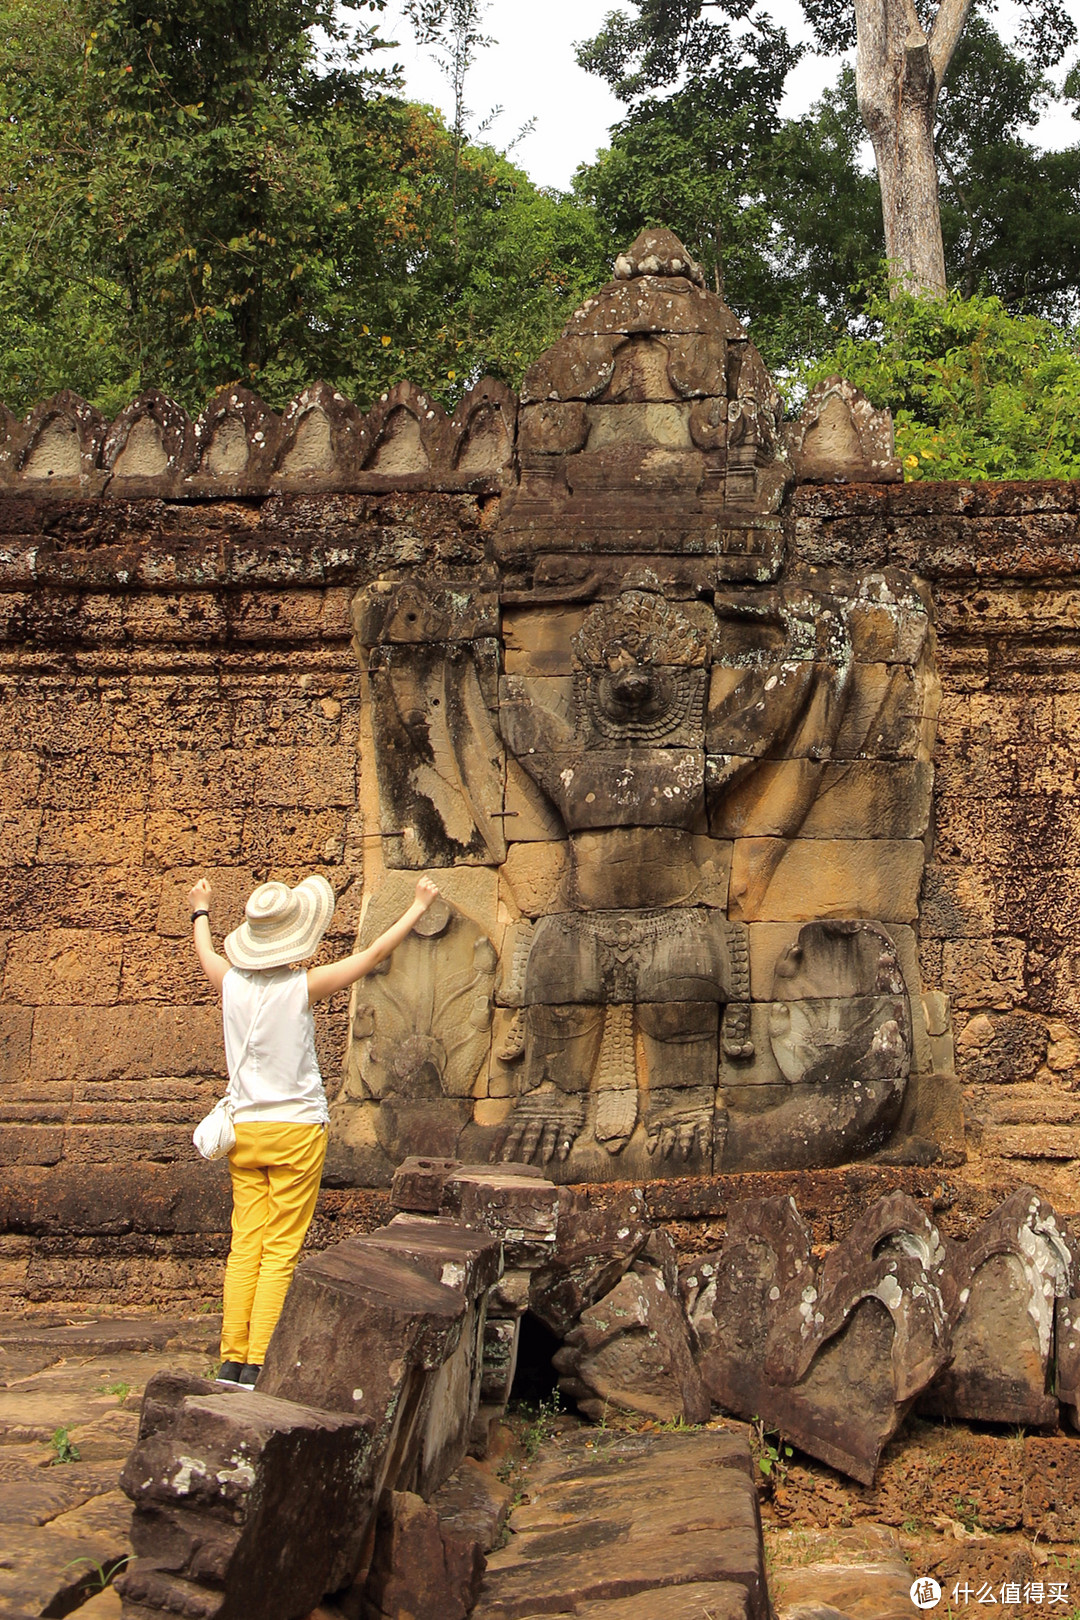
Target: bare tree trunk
[[899, 73]]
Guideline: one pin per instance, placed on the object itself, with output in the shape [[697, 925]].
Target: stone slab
[[613, 1516], [856, 799], [774, 880]]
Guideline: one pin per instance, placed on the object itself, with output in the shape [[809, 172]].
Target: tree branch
[[945, 35]]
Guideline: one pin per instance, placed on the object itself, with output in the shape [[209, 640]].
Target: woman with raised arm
[[278, 1103]]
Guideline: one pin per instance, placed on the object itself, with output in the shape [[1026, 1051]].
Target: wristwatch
[[203, 913]]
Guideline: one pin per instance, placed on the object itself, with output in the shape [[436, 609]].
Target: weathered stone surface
[[860, 799], [607, 1523], [213, 1481], [631, 1353], [473, 1505], [510, 1202], [1000, 1290], [720, 1600], [438, 758], [420, 1567], [361, 1331], [594, 1246], [775, 879], [1067, 1358], [832, 1356], [840, 437]]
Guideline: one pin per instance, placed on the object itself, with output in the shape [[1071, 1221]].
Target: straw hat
[[281, 925]]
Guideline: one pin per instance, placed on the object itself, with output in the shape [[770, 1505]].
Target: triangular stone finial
[[657, 253]]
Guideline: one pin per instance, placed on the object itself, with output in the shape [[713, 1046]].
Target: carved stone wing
[[432, 658]]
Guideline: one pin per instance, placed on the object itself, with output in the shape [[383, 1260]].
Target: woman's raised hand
[[199, 895], [426, 892]]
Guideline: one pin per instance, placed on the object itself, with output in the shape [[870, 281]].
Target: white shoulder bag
[[215, 1136]]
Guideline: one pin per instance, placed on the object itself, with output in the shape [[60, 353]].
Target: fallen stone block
[[1001, 1289], [832, 1355], [617, 1517], [511, 1202], [363, 1331], [594, 1247], [244, 1504], [469, 1261], [421, 1567], [631, 1352], [474, 1504]]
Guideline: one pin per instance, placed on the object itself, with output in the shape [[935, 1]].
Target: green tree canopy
[[192, 197]]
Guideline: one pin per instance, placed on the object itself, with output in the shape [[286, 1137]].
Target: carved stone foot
[[544, 1125], [680, 1126]]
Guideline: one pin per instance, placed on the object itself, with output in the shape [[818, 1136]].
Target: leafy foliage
[[191, 197], [776, 211], [975, 391]]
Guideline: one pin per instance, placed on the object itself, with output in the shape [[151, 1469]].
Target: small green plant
[[64, 1448], [208, 1307], [119, 1389], [967, 1512], [771, 1449], [539, 1428], [99, 1576]]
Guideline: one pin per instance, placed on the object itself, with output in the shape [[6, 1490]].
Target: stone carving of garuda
[[677, 778]]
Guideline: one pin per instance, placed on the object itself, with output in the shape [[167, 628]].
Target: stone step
[[621, 1526]]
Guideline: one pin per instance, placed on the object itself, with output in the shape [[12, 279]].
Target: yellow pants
[[275, 1170]]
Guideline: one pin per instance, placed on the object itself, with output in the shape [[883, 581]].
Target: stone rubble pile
[[346, 1473]]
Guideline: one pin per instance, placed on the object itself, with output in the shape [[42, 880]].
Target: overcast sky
[[532, 74]]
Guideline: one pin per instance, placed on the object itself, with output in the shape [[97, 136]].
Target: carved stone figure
[[690, 779]]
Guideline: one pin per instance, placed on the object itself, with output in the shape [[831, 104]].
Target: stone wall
[[180, 696], [1000, 914]]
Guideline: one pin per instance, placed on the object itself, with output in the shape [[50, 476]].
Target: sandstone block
[[226, 1485], [859, 799], [535, 877], [638, 1486], [471, 1262], [510, 1202], [631, 1353], [778, 880], [1000, 1290], [363, 1331], [418, 1184], [421, 1566], [832, 1357], [530, 817], [125, 1042], [95, 838], [473, 1504], [595, 1246], [63, 965], [537, 640]]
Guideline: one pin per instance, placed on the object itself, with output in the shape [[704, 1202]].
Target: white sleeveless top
[[270, 1047]]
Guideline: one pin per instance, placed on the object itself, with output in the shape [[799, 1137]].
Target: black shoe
[[248, 1374], [229, 1372]]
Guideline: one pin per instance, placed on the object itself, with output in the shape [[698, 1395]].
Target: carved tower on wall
[[673, 786]]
